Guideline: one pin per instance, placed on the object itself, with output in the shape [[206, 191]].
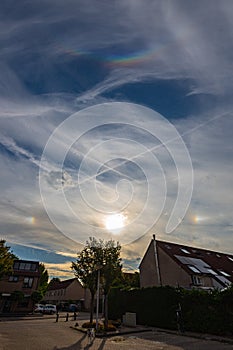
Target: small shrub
[[110, 328], [88, 325], [116, 323]]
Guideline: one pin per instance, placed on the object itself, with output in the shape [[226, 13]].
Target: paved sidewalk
[[219, 338], [43, 333], [123, 330]]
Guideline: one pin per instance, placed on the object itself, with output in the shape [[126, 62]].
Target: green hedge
[[202, 311]]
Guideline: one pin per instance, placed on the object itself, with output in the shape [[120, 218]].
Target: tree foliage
[[7, 258], [128, 281], [85, 269], [43, 281], [111, 270], [54, 280], [101, 256], [38, 294]]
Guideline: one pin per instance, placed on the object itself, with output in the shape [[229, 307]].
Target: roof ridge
[[193, 247]]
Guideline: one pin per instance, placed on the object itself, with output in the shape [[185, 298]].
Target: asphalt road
[[46, 334]]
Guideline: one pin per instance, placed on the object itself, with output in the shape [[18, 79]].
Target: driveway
[[46, 334]]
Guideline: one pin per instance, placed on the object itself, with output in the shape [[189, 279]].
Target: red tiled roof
[[216, 262], [53, 285]]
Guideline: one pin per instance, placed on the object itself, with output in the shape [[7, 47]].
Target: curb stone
[[114, 334]]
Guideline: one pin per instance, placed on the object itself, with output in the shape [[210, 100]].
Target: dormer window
[[196, 280]]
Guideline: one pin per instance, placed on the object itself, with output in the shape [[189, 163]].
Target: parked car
[[39, 308], [49, 309], [73, 308]]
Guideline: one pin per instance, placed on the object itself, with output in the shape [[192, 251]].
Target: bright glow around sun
[[115, 221], [198, 219], [30, 219]]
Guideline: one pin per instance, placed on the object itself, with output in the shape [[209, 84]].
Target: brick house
[[166, 263], [66, 291], [16, 288]]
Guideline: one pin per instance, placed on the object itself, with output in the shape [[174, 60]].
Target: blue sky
[[115, 108]]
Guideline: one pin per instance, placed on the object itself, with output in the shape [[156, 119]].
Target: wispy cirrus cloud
[[57, 58]]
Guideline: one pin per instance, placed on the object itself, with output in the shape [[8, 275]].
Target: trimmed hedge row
[[201, 311]]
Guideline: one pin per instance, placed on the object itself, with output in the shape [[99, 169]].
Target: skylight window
[[224, 273], [212, 272], [194, 269], [185, 251]]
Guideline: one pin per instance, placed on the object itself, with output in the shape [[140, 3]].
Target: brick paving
[[46, 334]]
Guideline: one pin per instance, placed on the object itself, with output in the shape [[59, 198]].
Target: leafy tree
[[85, 269], [111, 269], [127, 281], [6, 258], [98, 256], [38, 294], [55, 280], [132, 280], [43, 281]]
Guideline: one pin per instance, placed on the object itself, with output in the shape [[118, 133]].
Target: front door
[[7, 306]]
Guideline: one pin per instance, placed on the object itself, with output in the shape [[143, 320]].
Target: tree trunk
[[105, 310], [92, 307]]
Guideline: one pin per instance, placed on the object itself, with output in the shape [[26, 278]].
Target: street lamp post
[[97, 299], [157, 261]]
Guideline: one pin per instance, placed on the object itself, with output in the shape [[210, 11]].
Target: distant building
[[16, 288], [166, 263], [68, 291]]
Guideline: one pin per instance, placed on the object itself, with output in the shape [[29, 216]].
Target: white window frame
[[196, 280]]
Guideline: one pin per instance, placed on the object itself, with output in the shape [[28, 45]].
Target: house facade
[[67, 291], [16, 288], [166, 263]]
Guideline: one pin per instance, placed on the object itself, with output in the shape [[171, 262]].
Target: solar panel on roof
[[223, 279], [204, 269], [184, 260], [192, 261], [193, 268], [198, 264], [212, 271]]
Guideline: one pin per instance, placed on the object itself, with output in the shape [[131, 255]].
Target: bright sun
[[115, 221]]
